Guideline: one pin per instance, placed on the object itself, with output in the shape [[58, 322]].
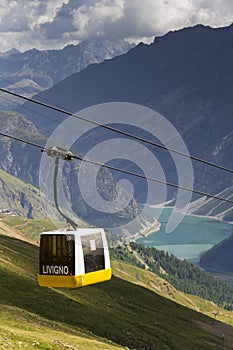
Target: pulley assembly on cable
[[72, 257]]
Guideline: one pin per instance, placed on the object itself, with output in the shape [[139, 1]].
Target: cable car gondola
[[72, 259], [76, 257]]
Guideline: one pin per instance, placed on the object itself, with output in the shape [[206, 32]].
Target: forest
[[183, 275]]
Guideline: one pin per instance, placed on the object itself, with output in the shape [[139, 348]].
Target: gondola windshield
[[57, 254]]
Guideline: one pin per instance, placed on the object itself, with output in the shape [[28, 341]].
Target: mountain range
[[32, 71], [186, 76], [182, 76]]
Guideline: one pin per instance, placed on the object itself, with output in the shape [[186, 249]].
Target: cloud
[[21, 22], [101, 19], [53, 24], [145, 18]]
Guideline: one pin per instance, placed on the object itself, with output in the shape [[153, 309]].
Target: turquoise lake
[[191, 238]]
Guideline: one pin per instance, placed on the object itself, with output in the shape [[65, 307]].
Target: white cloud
[[52, 24], [96, 19], [50, 10], [145, 18], [21, 20]]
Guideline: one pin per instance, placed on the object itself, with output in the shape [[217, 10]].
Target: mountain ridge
[[44, 68], [186, 76], [218, 259]]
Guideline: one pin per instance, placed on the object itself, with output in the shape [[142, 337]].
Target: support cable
[[135, 137]]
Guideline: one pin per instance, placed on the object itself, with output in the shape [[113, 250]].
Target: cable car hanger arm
[[58, 153]]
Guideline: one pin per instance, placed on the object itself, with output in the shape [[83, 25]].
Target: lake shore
[[155, 226], [188, 213], [193, 236]]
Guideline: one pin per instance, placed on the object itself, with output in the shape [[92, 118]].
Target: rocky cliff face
[[23, 199], [19, 159], [124, 222]]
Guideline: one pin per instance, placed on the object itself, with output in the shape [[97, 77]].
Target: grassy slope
[[155, 283], [27, 228], [125, 310]]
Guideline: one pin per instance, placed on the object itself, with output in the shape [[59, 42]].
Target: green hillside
[[181, 274], [125, 312]]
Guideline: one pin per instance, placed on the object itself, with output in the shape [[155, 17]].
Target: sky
[[53, 24]]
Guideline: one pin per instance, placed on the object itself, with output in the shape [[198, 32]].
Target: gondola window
[[93, 252]]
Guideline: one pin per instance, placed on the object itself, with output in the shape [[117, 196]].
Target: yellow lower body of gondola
[[74, 281]]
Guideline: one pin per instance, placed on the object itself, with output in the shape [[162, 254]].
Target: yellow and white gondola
[[72, 259]]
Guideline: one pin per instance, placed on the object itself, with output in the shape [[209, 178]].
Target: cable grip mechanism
[[58, 152]]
